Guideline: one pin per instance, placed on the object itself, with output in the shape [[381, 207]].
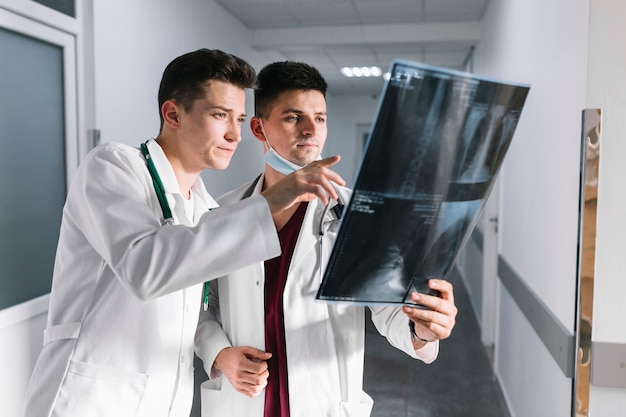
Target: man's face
[[211, 129], [296, 127]]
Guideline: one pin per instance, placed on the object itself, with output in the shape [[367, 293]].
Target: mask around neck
[[273, 159], [280, 164]]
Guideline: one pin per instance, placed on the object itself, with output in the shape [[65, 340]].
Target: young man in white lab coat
[[269, 348], [127, 285]]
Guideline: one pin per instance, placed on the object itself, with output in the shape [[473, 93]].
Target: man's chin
[[307, 160], [219, 165]]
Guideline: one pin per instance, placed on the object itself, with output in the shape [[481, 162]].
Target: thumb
[[254, 353]]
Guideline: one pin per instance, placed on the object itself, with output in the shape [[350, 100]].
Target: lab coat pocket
[[94, 390], [361, 408], [210, 392]]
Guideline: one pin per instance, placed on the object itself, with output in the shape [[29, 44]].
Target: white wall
[[543, 44], [21, 338], [607, 90], [345, 113]]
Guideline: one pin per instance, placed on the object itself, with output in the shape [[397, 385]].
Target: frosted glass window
[[32, 164], [64, 6]]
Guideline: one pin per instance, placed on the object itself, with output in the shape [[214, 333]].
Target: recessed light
[[361, 71], [347, 72]]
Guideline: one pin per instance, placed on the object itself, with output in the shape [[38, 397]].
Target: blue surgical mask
[[273, 159], [280, 164]]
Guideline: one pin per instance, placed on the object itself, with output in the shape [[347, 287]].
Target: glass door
[[38, 151]]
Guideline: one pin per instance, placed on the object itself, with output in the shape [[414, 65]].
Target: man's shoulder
[[239, 193], [112, 146], [345, 194], [112, 153], [113, 150]]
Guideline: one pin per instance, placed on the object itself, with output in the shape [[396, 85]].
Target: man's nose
[[233, 134], [308, 126]]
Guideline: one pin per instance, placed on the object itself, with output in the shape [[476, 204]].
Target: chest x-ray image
[[437, 143]]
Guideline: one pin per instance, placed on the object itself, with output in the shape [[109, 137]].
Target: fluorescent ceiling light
[[347, 72], [361, 71]]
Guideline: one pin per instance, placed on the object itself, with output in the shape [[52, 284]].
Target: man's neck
[[184, 178], [271, 177]]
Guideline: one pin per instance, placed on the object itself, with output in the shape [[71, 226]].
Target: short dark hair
[[184, 78], [282, 76]]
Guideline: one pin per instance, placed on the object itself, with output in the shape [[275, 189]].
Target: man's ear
[[257, 129], [171, 114]]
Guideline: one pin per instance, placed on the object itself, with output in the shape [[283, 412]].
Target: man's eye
[[241, 120], [292, 118], [220, 115]]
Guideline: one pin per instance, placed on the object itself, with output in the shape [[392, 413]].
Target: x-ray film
[[436, 145]]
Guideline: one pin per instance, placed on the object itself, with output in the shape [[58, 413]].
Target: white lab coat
[[126, 291], [324, 342]]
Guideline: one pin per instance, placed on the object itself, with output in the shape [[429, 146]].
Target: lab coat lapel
[[309, 233]]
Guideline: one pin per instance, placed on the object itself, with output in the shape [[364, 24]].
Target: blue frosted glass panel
[[32, 164]]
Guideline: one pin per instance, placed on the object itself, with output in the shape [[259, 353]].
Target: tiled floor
[[459, 383]]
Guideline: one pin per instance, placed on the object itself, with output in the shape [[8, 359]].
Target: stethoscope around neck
[[165, 207], [337, 211], [158, 186]]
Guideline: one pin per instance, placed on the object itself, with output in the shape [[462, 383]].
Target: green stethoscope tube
[[158, 186], [165, 207]]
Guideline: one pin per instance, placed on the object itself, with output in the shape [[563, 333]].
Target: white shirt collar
[[168, 178]]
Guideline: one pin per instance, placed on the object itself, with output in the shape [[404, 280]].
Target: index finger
[[445, 288], [327, 162], [254, 367], [321, 167]]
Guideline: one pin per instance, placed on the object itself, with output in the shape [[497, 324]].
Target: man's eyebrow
[[227, 110], [291, 110]]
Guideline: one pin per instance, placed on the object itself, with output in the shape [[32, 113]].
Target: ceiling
[[331, 34]]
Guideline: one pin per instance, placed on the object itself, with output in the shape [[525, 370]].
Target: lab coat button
[[257, 283]]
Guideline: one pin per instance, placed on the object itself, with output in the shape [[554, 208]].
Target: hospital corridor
[[539, 283]]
